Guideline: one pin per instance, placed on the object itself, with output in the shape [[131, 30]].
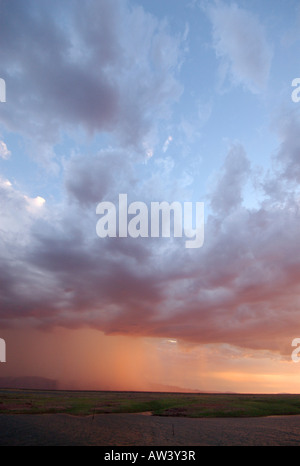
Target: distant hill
[[31, 382], [157, 387]]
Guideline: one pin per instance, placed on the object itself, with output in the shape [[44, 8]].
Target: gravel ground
[[139, 430]]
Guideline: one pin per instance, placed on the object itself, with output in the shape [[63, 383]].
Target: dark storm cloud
[[70, 69], [89, 179], [104, 67], [241, 287], [228, 192], [287, 156]]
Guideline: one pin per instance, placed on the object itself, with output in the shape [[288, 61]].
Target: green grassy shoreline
[[194, 405]]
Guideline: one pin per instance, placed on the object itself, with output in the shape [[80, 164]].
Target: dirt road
[[136, 429]]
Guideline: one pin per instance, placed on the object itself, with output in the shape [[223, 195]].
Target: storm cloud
[[111, 70]]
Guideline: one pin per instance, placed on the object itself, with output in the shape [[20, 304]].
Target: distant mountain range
[[43, 383], [157, 387], [38, 383]]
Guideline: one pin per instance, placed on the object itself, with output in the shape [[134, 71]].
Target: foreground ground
[[31, 417], [138, 430]]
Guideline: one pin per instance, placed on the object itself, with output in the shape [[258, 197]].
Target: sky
[[185, 101]]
